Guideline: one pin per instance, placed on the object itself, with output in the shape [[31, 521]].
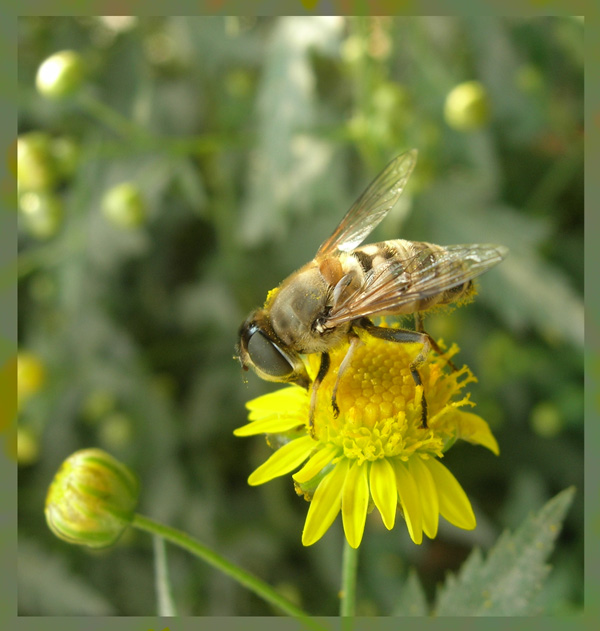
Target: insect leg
[[354, 343], [405, 337], [419, 327], [323, 368]]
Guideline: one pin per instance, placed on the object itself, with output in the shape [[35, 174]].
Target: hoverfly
[[333, 296]]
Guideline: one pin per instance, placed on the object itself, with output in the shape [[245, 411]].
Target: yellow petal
[[325, 504], [410, 500], [429, 497], [272, 425], [474, 429], [289, 398], [384, 491], [284, 460], [316, 463], [454, 503], [355, 501]]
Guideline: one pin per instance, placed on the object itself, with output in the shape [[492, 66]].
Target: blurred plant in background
[[184, 166]]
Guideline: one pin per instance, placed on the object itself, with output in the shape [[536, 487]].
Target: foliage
[[242, 142]]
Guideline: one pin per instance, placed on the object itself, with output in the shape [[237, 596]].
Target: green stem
[[125, 128], [110, 118], [254, 584], [166, 606], [349, 568]]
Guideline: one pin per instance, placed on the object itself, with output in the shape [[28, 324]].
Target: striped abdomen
[[421, 275]]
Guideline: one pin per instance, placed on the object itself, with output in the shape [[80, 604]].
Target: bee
[[335, 295]]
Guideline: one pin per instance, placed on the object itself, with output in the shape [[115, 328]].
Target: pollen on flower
[[374, 389]]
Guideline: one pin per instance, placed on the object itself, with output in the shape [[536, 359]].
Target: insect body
[[334, 295]]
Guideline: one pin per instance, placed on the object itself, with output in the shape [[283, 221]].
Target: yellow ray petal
[[272, 425], [429, 497], [316, 463], [325, 504], [284, 460], [288, 398], [474, 429], [355, 501], [384, 491], [410, 500], [454, 503]]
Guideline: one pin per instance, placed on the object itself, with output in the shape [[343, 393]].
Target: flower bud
[[467, 106], [66, 154], [124, 206], [35, 164], [31, 374], [28, 446], [41, 212], [92, 499], [60, 75]]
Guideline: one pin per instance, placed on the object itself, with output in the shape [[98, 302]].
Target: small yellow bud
[[92, 499], [124, 206], [66, 153], [60, 75], [31, 374], [467, 106], [546, 420], [35, 164], [28, 446], [41, 213]]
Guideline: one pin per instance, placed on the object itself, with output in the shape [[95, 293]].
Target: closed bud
[[124, 206], [92, 499], [31, 374], [60, 75], [35, 164], [467, 106], [41, 213]]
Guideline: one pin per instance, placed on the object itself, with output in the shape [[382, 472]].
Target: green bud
[[35, 165], [529, 79], [354, 48], [97, 405], [41, 213], [467, 107], [66, 154], [31, 374], [92, 499], [124, 206], [116, 431], [60, 75], [28, 446], [546, 419]]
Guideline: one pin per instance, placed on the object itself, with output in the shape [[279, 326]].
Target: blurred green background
[[243, 142]]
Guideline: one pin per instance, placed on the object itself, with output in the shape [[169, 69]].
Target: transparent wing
[[431, 271], [372, 206]]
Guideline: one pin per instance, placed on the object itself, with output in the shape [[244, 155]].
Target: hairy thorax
[[299, 307]]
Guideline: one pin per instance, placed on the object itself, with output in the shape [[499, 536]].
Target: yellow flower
[[375, 453]]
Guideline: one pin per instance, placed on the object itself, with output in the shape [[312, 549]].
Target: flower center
[[379, 403]]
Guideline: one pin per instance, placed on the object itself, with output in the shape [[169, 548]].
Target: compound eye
[[267, 357]]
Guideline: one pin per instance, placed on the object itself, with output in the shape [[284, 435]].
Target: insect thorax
[[301, 303]]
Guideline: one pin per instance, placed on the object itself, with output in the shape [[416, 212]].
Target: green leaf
[[506, 582], [412, 601]]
